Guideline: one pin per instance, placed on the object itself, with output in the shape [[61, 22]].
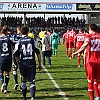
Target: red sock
[[90, 90], [71, 53], [96, 88], [67, 51], [99, 88], [78, 60]]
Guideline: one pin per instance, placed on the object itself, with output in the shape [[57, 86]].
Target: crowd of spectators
[[36, 23], [41, 22]]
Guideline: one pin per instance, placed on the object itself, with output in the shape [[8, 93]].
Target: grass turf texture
[[70, 78]]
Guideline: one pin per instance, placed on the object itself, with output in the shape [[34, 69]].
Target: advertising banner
[[21, 7], [59, 7], [33, 7], [88, 6]]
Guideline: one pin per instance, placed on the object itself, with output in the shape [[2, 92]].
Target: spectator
[[46, 49]]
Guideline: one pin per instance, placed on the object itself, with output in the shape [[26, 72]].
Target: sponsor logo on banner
[[1, 6], [24, 6], [59, 6], [87, 6]]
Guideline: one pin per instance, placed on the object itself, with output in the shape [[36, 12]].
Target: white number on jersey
[[27, 50], [80, 38], [5, 47], [71, 34], [95, 45], [66, 36]]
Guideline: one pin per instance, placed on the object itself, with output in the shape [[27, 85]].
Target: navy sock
[[7, 77], [24, 89], [15, 77], [1, 78], [32, 90]]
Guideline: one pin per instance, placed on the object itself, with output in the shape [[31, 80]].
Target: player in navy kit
[[26, 49], [5, 58], [16, 37]]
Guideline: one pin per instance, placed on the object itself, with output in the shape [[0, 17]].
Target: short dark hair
[[24, 30], [4, 30], [93, 27], [98, 29]]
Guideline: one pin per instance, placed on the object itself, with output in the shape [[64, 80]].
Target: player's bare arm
[[39, 61], [17, 60], [81, 49]]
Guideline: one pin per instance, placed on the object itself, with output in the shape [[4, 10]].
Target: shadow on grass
[[63, 89], [41, 97], [48, 94], [54, 66], [57, 96], [83, 78], [63, 71], [11, 98]]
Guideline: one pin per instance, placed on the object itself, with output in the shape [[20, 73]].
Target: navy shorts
[[28, 73], [6, 66]]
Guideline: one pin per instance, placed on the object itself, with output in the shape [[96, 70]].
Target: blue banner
[[59, 6], [1, 6]]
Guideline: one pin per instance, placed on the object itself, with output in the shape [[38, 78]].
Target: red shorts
[[93, 71], [79, 48], [79, 45], [71, 44], [67, 44]]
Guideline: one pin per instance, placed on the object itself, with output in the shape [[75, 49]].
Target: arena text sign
[[24, 6]]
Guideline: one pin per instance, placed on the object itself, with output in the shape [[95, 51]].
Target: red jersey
[[79, 39], [71, 36], [49, 33], [65, 36], [93, 49]]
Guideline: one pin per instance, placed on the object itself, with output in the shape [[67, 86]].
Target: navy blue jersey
[[5, 49], [26, 49], [15, 37]]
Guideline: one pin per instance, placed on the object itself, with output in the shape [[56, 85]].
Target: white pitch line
[[55, 84]]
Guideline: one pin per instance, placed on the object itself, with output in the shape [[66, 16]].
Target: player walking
[[5, 58], [79, 40], [54, 41], [26, 49], [66, 41], [92, 45], [71, 36]]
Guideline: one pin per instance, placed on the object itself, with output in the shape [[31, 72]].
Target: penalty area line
[[55, 84]]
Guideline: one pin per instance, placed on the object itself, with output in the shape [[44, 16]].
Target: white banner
[[32, 7]]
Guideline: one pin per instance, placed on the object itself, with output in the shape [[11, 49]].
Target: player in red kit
[[79, 40], [71, 36], [66, 41], [92, 45]]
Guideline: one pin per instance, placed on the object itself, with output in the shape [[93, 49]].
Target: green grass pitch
[[70, 78]]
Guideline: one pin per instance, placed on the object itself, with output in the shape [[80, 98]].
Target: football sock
[[15, 76], [32, 90], [91, 90], [96, 88], [7, 77], [78, 60], [53, 51], [99, 88], [1, 78], [56, 50], [70, 53], [66, 51], [24, 89]]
